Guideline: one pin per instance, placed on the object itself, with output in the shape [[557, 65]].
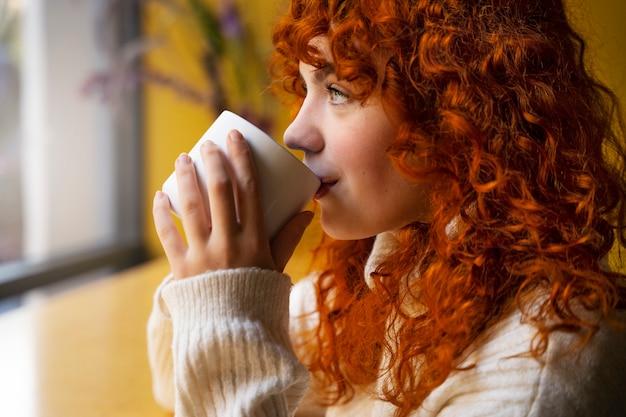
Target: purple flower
[[230, 22]]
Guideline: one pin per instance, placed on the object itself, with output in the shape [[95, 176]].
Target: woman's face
[[344, 142]]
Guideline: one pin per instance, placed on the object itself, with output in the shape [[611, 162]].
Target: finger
[[287, 239], [220, 189], [171, 240], [248, 187], [194, 209]]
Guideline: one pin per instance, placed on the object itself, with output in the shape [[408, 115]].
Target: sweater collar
[[384, 244]]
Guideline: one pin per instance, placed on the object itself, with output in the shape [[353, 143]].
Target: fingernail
[[209, 144], [235, 136], [183, 158], [159, 195]]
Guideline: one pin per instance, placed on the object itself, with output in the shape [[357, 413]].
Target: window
[[70, 165]]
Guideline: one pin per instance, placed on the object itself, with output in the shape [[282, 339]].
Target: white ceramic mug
[[287, 185]]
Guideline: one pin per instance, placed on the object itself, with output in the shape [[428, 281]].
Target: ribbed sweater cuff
[[211, 298]]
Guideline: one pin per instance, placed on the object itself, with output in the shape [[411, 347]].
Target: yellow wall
[[172, 125], [602, 25]]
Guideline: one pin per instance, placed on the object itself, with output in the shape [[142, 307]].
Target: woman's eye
[[336, 96]]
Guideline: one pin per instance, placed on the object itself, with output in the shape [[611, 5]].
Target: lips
[[326, 177], [324, 189]]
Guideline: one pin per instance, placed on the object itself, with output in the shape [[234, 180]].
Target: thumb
[[287, 239]]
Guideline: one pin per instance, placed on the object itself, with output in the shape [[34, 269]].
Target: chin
[[340, 232]]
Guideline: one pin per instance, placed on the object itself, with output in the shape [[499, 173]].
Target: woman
[[472, 186]]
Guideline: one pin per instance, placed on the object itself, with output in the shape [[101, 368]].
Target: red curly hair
[[526, 146]]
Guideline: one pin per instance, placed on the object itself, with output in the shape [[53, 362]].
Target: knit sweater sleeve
[[230, 348], [159, 332]]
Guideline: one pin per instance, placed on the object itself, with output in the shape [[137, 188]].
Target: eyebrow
[[320, 74]]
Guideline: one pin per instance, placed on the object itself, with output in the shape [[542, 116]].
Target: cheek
[[367, 172], [363, 150]]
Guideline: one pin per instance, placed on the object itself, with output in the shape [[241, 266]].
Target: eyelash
[[332, 91], [335, 92]]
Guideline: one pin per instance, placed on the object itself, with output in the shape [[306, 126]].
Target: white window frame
[[81, 158]]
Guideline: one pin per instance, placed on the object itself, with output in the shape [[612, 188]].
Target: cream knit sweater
[[219, 345]]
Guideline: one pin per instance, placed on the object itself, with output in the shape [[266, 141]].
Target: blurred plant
[[10, 12], [9, 16], [9, 41], [230, 58]]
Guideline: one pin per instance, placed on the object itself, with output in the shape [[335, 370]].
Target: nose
[[304, 133]]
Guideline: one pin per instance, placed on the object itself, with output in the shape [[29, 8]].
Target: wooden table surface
[[82, 353]]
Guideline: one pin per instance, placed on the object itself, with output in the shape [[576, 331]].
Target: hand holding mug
[[227, 201]]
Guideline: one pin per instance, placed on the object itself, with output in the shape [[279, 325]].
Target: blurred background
[[98, 97]]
